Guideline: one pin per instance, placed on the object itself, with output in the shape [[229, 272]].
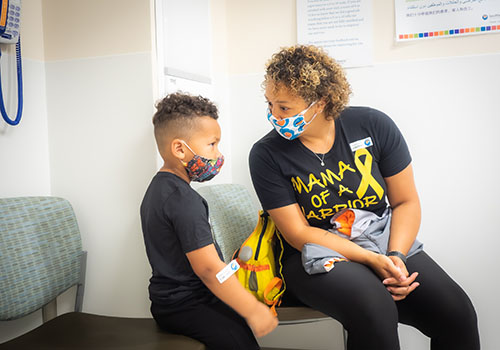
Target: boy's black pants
[[214, 323]]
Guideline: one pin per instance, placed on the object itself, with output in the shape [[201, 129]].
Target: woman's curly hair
[[309, 72]]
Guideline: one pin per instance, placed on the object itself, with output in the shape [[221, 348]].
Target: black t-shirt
[[368, 146], [174, 222]]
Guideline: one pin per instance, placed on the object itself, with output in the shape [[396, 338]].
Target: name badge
[[227, 271], [365, 143]]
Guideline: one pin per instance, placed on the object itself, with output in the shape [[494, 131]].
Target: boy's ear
[[177, 148]]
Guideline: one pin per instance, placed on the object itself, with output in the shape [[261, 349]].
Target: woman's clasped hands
[[395, 276]]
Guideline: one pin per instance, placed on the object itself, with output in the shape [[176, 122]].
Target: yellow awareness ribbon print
[[366, 171]]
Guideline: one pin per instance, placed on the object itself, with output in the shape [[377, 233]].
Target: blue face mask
[[290, 128]]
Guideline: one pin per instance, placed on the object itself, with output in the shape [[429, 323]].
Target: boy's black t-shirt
[[368, 146], [174, 221]]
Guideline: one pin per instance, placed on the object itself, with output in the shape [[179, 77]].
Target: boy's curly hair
[[177, 113], [309, 72]]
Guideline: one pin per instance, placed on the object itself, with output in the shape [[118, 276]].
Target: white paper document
[[342, 27]]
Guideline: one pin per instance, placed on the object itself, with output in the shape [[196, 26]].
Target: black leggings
[[214, 324], [354, 295]]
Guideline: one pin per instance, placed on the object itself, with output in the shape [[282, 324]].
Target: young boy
[[186, 297]]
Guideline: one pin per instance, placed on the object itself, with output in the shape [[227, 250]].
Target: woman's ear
[[320, 105], [177, 148]]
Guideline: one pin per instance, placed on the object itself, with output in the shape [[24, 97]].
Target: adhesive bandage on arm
[[233, 266]]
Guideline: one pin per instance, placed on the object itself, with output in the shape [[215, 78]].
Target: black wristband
[[398, 254]]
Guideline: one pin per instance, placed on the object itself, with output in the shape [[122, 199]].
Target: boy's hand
[[262, 321], [206, 264]]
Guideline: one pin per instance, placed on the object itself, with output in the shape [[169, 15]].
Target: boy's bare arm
[[206, 264]]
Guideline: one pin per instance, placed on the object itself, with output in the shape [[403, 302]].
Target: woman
[[324, 157]]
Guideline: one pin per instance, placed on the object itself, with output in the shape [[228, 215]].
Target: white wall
[[448, 110]]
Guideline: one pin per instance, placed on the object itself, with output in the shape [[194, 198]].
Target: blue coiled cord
[[19, 90]]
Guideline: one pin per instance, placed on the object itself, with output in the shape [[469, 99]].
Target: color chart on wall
[[427, 19]]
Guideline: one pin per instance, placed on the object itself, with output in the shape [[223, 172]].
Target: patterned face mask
[[202, 169], [290, 128]]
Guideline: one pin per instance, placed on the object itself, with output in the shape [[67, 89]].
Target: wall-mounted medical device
[[10, 25]]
